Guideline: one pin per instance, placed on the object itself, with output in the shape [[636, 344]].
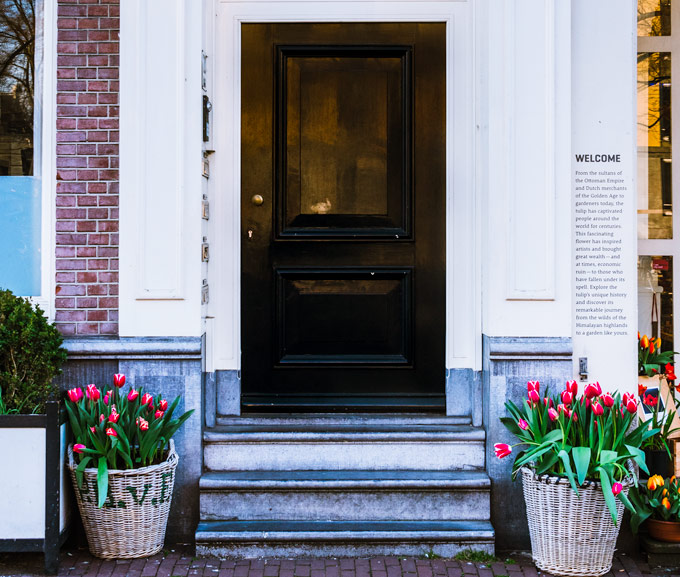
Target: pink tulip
[[523, 424], [617, 488], [592, 390], [608, 400], [106, 397], [597, 408], [159, 414], [142, 424], [113, 417], [147, 399], [572, 387], [533, 386], [553, 414], [119, 380], [548, 402], [502, 450], [564, 409], [74, 395], [163, 405], [92, 392], [567, 397], [534, 396], [111, 432], [78, 448], [102, 418], [631, 406], [132, 395], [92, 429]]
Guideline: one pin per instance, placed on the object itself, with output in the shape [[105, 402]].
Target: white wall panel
[[527, 247], [160, 168]]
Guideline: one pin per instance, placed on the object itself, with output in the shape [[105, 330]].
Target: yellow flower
[[659, 480], [658, 343], [664, 492], [651, 484], [666, 503]]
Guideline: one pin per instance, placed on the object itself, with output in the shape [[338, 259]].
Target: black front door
[[343, 216]]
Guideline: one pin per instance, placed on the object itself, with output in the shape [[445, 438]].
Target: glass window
[[20, 127], [654, 18], [655, 205], [655, 298]]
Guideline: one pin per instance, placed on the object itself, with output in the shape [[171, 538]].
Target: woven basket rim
[[172, 456], [627, 481]]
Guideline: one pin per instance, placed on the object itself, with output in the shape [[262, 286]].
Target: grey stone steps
[[352, 446], [305, 420], [349, 495], [338, 538]]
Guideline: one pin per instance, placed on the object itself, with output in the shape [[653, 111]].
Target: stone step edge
[[287, 419], [259, 436], [219, 531], [216, 481]]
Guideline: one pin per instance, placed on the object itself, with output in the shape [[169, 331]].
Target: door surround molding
[[463, 263]]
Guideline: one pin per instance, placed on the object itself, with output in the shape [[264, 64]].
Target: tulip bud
[[666, 503], [74, 395], [113, 417], [572, 387], [78, 448], [158, 414], [132, 395], [533, 386], [111, 432], [553, 414], [548, 402], [617, 488], [651, 347], [163, 405], [608, 400], [92, 429], [106, 397], [147, 399], [502, 450], [651, 484], [564, 409], [119, 380], [523, 424], [534, 396], [101, 418], [567, 397], [644, 341], [142, 424], [631, 406], [592, 390], [597, 408], [92, 392]]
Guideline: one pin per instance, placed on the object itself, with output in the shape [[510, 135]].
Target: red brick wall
[[86, 300]]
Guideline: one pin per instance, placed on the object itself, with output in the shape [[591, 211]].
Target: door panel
[[343, 261]]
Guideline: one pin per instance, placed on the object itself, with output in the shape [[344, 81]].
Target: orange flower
[[651, 347], [666, 503], [642, 389], [657, 342], [651, 484], [644, 341]]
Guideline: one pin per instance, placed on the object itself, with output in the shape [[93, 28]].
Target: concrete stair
[[334, 485]]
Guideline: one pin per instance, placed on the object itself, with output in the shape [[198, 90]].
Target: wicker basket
[[570, 535], [132, 521]]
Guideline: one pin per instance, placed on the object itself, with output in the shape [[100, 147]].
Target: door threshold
[[343, 404]]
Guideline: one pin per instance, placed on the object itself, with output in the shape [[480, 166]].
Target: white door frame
[[463, 262]]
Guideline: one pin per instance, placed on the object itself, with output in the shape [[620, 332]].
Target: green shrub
[[30, 355]]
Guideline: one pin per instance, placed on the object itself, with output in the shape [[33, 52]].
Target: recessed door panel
[[343, 216]]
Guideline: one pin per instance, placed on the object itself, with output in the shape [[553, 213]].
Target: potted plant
[[576, 467], [657, 505], [33, 506], [122, 466], [656, 390]]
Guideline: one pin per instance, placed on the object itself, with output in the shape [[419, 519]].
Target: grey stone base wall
[[171, 366], [508, 363]]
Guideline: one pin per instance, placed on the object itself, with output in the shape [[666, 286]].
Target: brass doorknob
[[257, 199]]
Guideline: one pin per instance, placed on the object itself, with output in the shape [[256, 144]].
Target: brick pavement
[[176, 563]]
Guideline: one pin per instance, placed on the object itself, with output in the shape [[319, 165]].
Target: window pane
[[654, 18], [655, 207], [655, 298], [20, 198]]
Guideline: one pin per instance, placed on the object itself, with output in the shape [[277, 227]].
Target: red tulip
[[617, 488], [567, 397], [102, 418], [132, 395], [159, 414], [548, 402], [147, 399], [119, 380], [92, 392], [142, 424], [651, 347], [106, 397], [553, 414], [502, 450], [642, 389], [113, 417], [534, 396], [92, 429], [163, 405], [631, 405], [564, 409], [74, 395], [670, 372], [608, 400], [111, 432], [572, 387], [592, 390], [523, 424], [78, 448], [597, 408], [533, 386]]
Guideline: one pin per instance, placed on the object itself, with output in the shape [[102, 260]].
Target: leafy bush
[[30, 355]]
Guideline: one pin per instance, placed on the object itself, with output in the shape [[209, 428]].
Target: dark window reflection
[[17, 84]]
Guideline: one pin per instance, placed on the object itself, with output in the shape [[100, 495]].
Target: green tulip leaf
[[607, 492], [564, 455], [582, 461], [102, 481]]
